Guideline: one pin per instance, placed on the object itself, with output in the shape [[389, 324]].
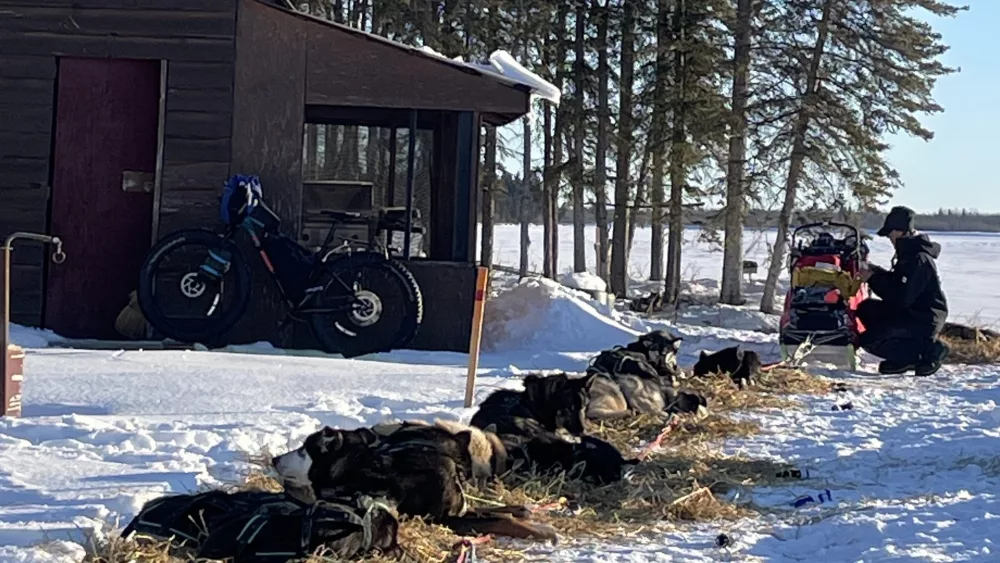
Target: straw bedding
[[680, 480]]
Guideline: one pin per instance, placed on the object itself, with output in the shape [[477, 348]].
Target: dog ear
[[702, 355], [492, 428]]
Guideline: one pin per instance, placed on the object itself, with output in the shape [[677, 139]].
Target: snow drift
[[540, 314]]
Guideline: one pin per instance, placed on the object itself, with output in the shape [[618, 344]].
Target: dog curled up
[[591, 459], [627, 374], [742, 366], [257, 527], [487, 452], [555, 403], [542, 427], [420, 469]]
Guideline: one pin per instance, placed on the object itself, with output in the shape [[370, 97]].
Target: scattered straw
[[979, 351], [681, 480], [774, 389], [137, 549]]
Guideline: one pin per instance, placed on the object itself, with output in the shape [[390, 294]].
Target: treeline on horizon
[[944, 220]]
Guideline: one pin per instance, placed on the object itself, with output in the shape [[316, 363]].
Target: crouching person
[[903, 326]]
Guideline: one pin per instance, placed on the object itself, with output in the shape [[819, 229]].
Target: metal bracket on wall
[[142, 182]]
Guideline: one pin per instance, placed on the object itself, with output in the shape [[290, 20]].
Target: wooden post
[[4, 319], [12, 357], [476, 339]]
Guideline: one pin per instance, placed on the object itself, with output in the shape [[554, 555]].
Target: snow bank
[[584, 281], [542, 315]]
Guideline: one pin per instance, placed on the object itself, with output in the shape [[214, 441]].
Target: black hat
[[899, 219]]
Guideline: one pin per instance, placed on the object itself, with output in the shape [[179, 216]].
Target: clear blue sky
[[956, 169]]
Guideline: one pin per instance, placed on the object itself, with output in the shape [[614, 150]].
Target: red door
[[107, 114]]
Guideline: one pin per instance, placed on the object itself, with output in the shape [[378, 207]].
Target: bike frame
[[294, 310]]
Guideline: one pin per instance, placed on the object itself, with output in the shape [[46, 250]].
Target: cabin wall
[[268, 131], [196, 36]]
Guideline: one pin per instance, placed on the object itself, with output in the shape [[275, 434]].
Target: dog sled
[[820, 321]]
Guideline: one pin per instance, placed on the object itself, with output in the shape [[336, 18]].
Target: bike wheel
[[194, 286], [372, 304]]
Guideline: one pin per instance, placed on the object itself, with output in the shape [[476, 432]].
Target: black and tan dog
[[659, 348], [486, 450], [640, 384], [555, 403], [420, 469], [742, 366]]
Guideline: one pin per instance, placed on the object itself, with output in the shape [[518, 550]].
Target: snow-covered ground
[[913, 469], [969, 263]]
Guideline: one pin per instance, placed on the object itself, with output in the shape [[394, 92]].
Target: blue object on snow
[[825, 496]]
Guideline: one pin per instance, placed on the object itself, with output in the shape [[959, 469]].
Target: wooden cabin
[[120, 120]]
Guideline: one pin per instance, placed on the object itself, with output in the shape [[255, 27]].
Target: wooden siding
[[268, 131], [347, 67], [196, 36]]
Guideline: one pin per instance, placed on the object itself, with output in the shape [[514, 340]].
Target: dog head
[[320, 449], [686, 402], [558, 401]]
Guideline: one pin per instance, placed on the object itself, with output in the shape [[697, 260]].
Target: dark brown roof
[[446, 65]]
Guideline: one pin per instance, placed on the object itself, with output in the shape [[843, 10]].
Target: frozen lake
[[968, 263]]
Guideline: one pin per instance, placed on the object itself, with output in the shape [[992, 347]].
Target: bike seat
[[343, 216]]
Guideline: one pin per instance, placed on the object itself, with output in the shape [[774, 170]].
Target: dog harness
[[341, 514]]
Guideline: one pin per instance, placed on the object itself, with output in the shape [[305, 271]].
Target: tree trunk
[[678, 155], [524, 202], [603, 133], [621, 240], [559, 130], [661, 104], [795, 164], [547, 189], [579, 76], [490, 180], [731, 291]]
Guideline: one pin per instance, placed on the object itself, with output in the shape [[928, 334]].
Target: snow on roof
[[503, 65]]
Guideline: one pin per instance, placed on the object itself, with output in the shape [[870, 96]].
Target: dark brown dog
[[422, 471], [742, 366], [555, 403], [596, 461]]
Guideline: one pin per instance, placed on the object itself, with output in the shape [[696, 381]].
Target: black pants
[[893, 335]]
